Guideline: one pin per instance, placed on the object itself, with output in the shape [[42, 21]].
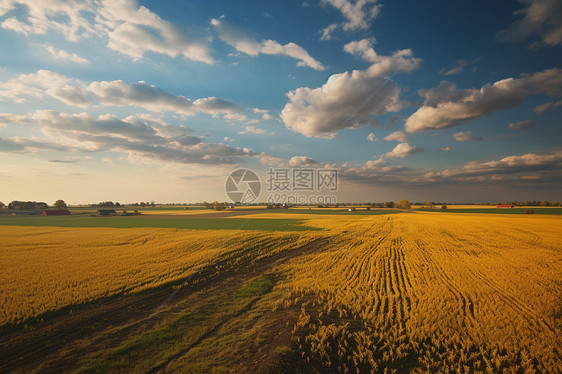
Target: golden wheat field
[[417, 292], [46, 268], [461, 293]]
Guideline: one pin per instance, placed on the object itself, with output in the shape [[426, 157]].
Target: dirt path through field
[[61, 343]]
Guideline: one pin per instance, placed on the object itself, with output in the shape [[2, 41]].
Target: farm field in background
[[235, 223], [422, 291]]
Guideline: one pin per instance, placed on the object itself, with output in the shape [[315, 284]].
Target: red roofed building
[[62, 212]]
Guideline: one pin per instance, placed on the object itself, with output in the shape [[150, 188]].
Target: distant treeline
[[26, 205], [34, 205], [107, 204], [528, 203]]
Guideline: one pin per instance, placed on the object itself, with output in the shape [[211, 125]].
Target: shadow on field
[[123, 332]]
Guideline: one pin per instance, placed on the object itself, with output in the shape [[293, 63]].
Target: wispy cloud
[[466, 136], [135, 136], [358, 15], [546, 106], [61, 54], [113, 94], [446, 106], [252, 130], [521, 125], [515, 167], [248, 45], [540, 17]]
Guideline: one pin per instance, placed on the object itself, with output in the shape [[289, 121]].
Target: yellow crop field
[[46, 268], [419, 292], [457, 293], [176, 212]]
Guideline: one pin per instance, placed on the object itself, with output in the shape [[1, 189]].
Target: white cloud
[[135, 30], [113, 93], [541, 17], [446, 106], [245, 44], [375, 164], [61, 54], [138, 137], [348, 100], [70, 95], [401, 60], [358, 14], [446, 149], [508, 168], [402, 150], [44, 83], [546, 106], [264, 113], [328, 31], [252, 130], [399, 136], [378, 171], [302, 162], [521, 125], [372, 138], [66, 17], [271, 160], [465, 136], [130, 29], [459, 66]]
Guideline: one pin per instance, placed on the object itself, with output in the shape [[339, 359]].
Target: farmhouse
[[52, 212], [107, 212], [504, 206]]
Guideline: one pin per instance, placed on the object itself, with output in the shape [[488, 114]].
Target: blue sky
[[160, 100]]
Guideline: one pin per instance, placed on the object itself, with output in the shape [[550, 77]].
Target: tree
[[428, 204], [388, 204], [60, 204], [443, 206], [2, 205], [403, 204], [27, 205]]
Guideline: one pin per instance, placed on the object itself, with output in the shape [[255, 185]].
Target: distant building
[[504, 206], [107, 212], [52, 212]]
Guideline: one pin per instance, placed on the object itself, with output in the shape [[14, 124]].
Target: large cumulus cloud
[[349, 100]]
